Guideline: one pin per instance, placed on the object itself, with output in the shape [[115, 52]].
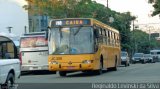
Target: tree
[[156, 5], [141, 41]]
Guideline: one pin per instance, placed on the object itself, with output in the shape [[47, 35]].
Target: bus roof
[[105, 25], [90, 21], [33, 34]]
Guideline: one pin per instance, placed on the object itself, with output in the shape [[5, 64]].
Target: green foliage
[[140, 41], [156, 5]]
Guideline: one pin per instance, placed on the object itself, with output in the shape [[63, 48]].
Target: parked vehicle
[[125, 59], [149, 58], [138, 57], [34, 52], [9, 63], [156, 55]]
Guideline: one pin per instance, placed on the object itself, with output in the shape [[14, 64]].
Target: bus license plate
[[70, 67]]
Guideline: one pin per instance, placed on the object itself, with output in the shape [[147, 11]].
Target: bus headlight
[[87, 61], [54, 62]]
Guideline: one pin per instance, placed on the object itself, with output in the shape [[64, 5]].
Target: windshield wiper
[[77, 30], [61, 36]]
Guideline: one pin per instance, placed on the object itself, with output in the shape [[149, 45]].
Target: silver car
[[125, 58], [149, 58], [138, 58]]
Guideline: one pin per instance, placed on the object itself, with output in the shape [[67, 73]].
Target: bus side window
[[114, 38], [109, 37], [96, 38], [101, 35], [117, 40], [104, 36]]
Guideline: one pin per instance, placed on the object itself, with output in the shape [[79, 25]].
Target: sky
[[12, 14], [139, 8]]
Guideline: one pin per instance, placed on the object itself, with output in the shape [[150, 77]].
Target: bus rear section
[[34, 53]]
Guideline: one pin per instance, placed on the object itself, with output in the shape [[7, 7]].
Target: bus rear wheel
[[62, 73], [115, 66]]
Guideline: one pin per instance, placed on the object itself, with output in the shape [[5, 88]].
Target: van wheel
[[62, 73], [9, 82]]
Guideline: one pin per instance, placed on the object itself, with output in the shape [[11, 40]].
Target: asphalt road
[[135, 73]]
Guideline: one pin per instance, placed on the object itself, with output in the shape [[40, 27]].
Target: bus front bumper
[[70, 67]]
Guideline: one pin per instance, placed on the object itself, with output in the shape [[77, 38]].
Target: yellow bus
[[82, 44]]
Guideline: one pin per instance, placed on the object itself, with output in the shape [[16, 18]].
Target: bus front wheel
[[62, 73], [99, 71]]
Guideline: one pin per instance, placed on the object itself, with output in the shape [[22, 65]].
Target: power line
[[147, 23]]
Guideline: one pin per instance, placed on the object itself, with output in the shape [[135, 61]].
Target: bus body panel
[[75, 62]]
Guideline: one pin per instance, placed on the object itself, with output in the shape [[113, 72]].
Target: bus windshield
[[74, 40], [28, 42]]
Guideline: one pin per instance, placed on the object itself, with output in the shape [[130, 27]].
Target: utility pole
[[25, 29], [134, 38], [149, 36], [107, 4], [9, 29]]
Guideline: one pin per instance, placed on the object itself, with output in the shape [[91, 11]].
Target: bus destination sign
[[69, 22]]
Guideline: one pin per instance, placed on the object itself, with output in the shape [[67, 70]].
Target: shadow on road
[[37, 73], [86, 74]]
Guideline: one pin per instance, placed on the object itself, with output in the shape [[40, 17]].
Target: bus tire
[[99, 71], [115, 67], [62, 73], [9, 82]]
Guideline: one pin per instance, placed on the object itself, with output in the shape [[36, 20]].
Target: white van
[[156, 55], [34, 52], [9, 63]]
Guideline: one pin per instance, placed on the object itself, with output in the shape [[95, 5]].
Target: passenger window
[[7, 49]]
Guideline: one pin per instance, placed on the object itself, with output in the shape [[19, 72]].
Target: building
[[38, 23]]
